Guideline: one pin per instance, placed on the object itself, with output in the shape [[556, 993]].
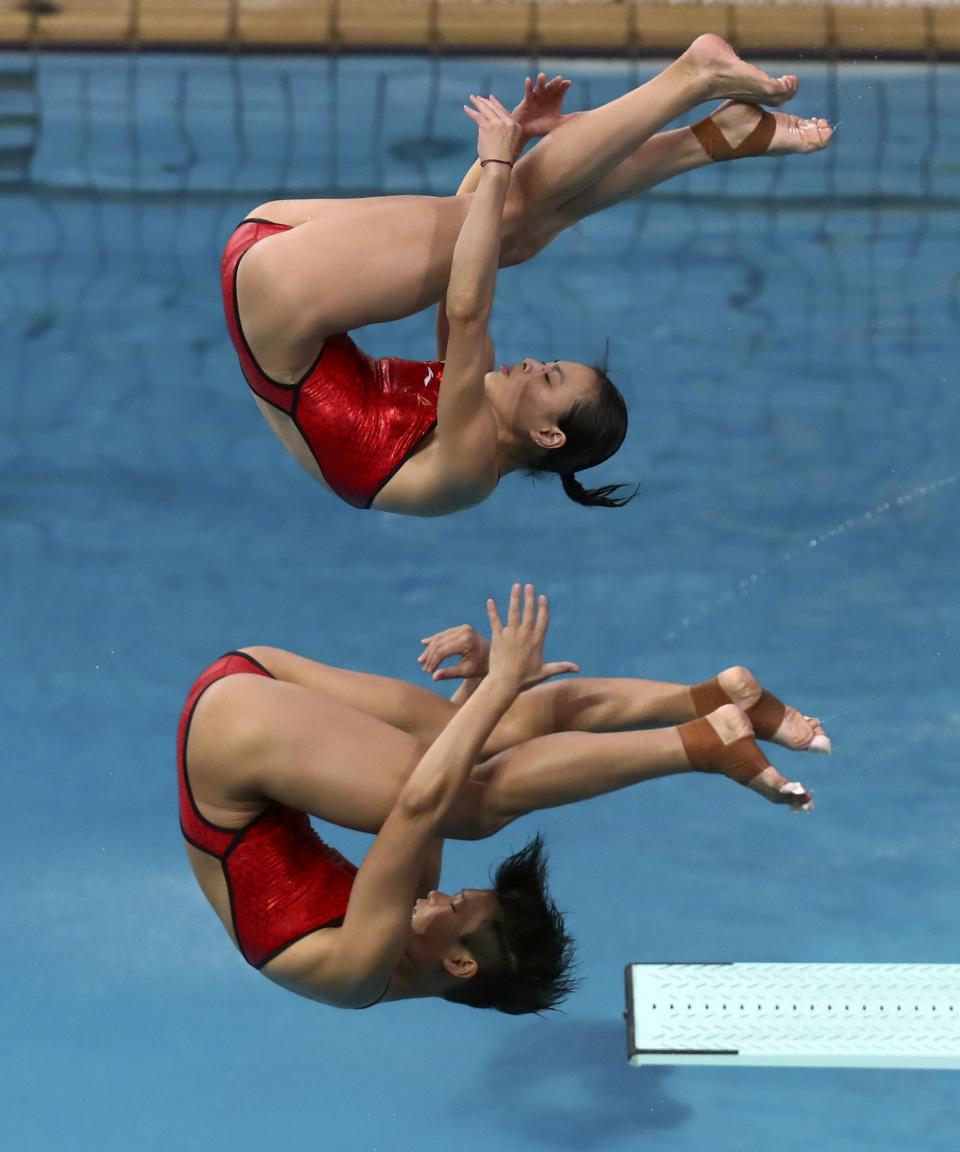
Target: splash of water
[[746, 585]]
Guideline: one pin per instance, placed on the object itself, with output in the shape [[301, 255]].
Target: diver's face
[[439, 921], [532, 397]]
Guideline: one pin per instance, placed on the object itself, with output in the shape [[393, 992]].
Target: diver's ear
[[550, 437], [460, 962]]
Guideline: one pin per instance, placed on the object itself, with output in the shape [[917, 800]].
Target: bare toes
[[775, 787], [797, 798], [820, 742], [779, 91], [814, 133], [802, 733]]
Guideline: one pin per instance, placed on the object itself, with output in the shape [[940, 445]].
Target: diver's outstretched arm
[[538, 113], [466, 433]]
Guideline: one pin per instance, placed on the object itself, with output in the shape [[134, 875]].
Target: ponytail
[[602, 497], [594, 429]]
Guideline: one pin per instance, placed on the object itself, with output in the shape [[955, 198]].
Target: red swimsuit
[[361, 418], [283, 881]]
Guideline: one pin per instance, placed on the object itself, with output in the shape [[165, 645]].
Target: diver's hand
[[516, 648], [463, 641], [541, 109], [498, 134]]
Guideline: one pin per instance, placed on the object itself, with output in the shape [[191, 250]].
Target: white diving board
[[794, 1015]]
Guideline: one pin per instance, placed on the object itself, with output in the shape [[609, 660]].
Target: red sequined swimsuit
[[283, 881], [360, 417]]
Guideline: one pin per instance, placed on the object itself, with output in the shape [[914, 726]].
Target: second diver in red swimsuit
[[267, 737]]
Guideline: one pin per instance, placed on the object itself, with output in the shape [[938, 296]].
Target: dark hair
[[524, 955], [594, 430]]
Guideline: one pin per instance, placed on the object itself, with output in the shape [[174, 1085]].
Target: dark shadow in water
[[567, 1084]]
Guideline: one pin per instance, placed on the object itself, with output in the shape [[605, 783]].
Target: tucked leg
[[346, 263]]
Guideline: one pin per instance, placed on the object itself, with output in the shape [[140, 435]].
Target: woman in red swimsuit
[[267, 736], [299, 274]]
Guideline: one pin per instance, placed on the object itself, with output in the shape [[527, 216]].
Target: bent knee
[[524, 238], [475, 816]]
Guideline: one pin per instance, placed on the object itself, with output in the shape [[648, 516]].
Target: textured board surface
[[839, 1015]]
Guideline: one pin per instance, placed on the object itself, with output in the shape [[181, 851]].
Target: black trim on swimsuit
[[294, 389], [396, 468], [238, 836], [235, 832], [250, 660], [364, 1007], [334, 923], [240, 833]]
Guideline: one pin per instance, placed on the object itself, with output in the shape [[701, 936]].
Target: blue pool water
[[786, 335]]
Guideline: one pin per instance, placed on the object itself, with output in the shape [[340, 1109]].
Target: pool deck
[[481, 26]]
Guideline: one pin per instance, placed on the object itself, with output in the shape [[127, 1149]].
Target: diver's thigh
[[256, 739], [352, 263]]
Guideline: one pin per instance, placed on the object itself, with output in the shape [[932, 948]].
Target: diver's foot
[[723, 75], [737, 130], [771, 719], [723, 742]]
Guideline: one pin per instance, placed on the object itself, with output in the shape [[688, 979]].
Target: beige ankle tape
[[708, 696], [741, 761], [766, 715], [714, 143]]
